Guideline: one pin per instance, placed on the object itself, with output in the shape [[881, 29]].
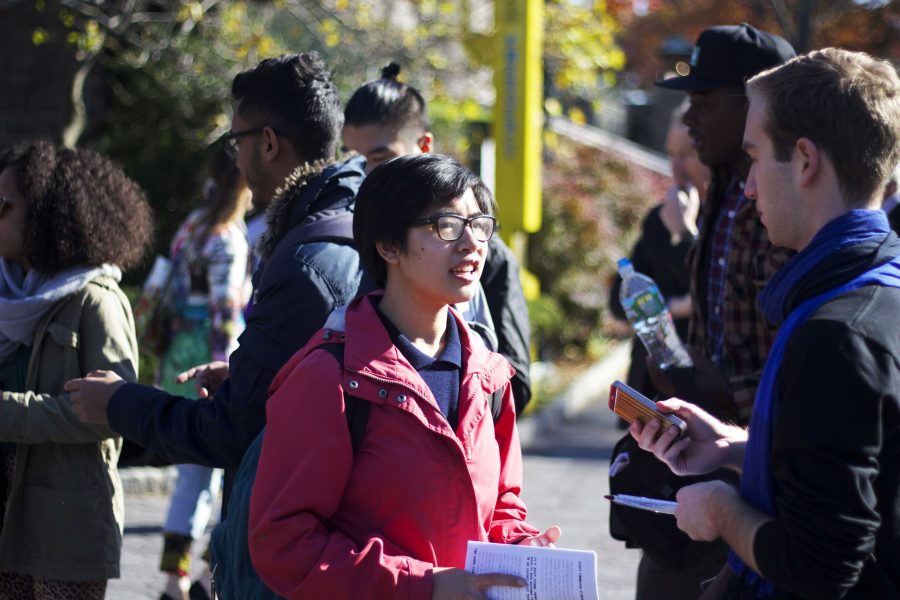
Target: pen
[[652, 504]]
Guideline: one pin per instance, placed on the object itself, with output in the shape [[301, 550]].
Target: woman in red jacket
[[434, 469]]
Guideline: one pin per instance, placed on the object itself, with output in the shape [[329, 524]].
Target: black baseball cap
[[730, 55]]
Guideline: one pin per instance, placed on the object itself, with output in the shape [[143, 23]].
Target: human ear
[[389, 252], [426, 142], [271, 143], [808, 159]]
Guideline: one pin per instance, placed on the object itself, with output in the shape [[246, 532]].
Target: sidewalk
[[591, 386]]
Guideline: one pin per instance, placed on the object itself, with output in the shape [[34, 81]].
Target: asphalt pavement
[[566, 456]]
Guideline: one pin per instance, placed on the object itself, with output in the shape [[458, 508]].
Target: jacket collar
[[841, 266], [369, 351], [289, 205]]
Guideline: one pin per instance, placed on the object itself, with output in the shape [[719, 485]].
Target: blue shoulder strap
[[337, 229]]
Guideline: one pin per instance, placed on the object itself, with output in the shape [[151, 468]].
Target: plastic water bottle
[[647, 312]]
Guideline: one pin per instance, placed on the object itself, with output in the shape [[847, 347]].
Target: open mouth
[[466, 270]]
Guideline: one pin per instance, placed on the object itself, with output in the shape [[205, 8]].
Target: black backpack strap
[[356, 409], [357, 417], [496, 404]]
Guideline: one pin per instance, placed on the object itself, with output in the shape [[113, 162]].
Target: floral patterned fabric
[[210, 288]]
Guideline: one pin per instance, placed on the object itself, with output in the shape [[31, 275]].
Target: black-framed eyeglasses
[[450, 227], [230, 139]]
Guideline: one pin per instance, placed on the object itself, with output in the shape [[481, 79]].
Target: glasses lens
[[449, 227], [483, 228]]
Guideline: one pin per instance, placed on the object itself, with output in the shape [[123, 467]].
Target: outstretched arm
[[217, 432]]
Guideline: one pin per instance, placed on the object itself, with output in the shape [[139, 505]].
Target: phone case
[[630, 404]]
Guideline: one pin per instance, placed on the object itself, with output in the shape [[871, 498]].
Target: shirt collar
[[451, 354]]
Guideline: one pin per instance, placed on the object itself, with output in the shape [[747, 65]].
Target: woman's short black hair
[[387, 102], [402, 190], [81, 208]]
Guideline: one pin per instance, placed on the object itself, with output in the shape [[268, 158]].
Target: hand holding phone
[[632, 405]]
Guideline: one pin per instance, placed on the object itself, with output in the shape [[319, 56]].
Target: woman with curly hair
[[70, 220]]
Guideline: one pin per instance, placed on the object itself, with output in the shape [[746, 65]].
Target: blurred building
[[38, 65]]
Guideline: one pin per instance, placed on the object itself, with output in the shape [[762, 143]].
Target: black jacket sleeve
[[292, 305], [826, 454], [509, 311]]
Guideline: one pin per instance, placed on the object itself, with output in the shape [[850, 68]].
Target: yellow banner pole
[[518, 123]]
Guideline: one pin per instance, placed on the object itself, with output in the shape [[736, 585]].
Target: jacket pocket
[[63, 524], [62, 335]]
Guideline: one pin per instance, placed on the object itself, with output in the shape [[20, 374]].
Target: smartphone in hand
[[632, 405]]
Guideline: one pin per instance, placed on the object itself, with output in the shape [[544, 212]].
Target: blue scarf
[[852, 228]]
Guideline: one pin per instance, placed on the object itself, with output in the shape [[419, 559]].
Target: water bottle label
[[646, 305]]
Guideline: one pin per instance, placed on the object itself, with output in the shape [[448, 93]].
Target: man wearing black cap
[[732, 258], [730, 262]]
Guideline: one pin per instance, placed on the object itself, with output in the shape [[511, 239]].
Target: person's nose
[[750, 184], [689, 117], [468, 241]]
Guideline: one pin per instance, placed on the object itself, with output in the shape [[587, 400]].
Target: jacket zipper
[[398, 383]]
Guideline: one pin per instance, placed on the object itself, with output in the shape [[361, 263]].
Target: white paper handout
[[666, 507], [551, 573]]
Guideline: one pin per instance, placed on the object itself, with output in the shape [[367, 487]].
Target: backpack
[[234, 577], [642, 474]]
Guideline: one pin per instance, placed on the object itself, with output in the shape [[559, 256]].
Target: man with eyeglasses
[[285, 131]]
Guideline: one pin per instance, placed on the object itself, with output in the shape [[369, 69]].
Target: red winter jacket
[[327, 523]]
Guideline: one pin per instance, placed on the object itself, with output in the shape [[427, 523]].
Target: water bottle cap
[[623, 262]]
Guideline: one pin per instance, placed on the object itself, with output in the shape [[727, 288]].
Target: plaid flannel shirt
[[751, 261]]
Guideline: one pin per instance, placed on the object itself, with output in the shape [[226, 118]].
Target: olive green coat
[[64, 519]]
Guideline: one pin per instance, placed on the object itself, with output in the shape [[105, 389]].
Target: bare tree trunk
[[78, 121]]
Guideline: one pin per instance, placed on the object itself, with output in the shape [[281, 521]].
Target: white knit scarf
[[26, 297]]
